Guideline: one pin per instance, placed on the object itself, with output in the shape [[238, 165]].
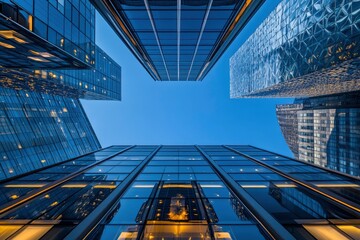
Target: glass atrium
[[180, 192]]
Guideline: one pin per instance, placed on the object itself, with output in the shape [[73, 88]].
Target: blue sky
[[183, 112]]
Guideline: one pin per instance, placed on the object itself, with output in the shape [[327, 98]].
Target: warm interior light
[[324, 232], [42, 54], [285, 185], [6, 231], [30, 22], [32, 232], [14, 196], [38, 59], [178, 208], [11, 34], [5, 45], [223, 235], [105, 186], [352, 231], [127, 235]]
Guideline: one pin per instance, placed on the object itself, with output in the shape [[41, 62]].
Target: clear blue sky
[[183, 112]]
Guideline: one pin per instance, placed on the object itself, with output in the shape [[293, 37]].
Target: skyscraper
[[302, 49], [103, 82], [181, 192], [48, 61], [324, 130], [177, 40], [47, 34], [39, 38], [38, 130]]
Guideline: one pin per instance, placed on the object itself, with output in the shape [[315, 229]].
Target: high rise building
[[181, 192], [47, 34], [177, 40], [302, 49], [48, 61], [38, 130], [40, 38], [324, 130], [103, 82]]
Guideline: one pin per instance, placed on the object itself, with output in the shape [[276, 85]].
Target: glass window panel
[[230, 211], [214, 190], [99, 169], [101, 177], [237, 232], [177, 231], [122, 169], [154, 169], [246, 169], [119, 232], [209, 177], [128, 211], [149, 177], [247, 177], [140, 190], [321, 232], [6, 231], [32, 232]]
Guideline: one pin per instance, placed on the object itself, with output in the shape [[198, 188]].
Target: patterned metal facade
[[303, 48]]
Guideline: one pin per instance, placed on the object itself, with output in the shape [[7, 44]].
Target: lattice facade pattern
[[304, 48]]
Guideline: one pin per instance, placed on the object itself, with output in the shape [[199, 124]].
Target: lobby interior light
[[13, 35], [6, 45]]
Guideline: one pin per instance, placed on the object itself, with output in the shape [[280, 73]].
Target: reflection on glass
[[325, 232], [237, 232], [118, 232], [352, 231], [32, 232], [176, 231], [7, 231]]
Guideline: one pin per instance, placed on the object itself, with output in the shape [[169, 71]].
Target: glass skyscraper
[[181, 192], [324, 130], [47, 34], [101, 83], [39, 39], [48, 61], [38, 130], [177, 40], [302, 49]]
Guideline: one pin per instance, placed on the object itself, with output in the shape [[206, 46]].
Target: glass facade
[[180, 192], [177, 40], [101, 83], [40, 38], [324, 130], [47, 34], [39, 130], [302, 49]]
